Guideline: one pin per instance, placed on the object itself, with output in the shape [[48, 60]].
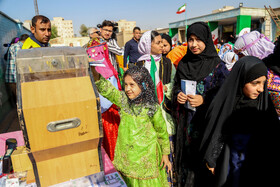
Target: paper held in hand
[[189, 88]]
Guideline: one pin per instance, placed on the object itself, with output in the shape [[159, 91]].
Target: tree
[[84, 30], [54, 32]]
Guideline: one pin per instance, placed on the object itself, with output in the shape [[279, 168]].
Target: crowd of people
[[156, 134]]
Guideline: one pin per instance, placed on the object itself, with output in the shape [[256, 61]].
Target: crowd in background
[[155, 131]]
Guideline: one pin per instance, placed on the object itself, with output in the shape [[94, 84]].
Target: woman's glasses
[[108, 30]]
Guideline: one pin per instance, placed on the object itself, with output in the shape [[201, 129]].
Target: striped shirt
[[114, 49]]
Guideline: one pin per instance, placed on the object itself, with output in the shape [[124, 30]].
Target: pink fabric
[[100, 52], [15, 135], [107, 163]]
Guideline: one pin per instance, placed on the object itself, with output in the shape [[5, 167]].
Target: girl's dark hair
[[144, 80], [153, 35]]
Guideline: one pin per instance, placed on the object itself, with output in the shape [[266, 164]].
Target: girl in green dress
[[142, 148]]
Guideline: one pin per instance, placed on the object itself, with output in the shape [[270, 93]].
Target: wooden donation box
[[59, 111]]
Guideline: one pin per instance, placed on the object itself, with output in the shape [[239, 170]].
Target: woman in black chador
[[203, 65], [241, 140]]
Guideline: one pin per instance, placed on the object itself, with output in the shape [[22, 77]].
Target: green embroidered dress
[[142, 140]]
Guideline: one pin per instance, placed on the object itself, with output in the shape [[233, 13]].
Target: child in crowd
[[142, 148], [258, 45], [98, 51], [241, 137], [167, 73], [154, 47], [167, 44], [202, 65], [225, 48], [230, 58]]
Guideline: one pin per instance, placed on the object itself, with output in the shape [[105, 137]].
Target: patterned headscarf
[[227, 47], [254, 44], [144, 47], [147, 97]]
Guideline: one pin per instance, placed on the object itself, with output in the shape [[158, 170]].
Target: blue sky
[[148, 14]]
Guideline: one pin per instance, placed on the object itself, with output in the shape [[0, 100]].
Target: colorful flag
[[175, 40], [154, 72], [181, 9], [215, 36]]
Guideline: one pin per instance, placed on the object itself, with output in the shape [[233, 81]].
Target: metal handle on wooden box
[[63, 124]]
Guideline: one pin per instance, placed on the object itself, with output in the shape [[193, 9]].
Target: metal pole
[[186, 24], [36, 7]]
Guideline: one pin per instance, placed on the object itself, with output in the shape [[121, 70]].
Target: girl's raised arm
[[107, 90]]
